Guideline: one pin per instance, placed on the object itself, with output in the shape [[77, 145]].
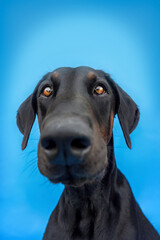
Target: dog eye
[[47, 91], [99, 90]]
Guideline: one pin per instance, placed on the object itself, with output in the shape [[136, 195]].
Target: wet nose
[[66, 143]]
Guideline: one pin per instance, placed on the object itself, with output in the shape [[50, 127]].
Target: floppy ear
[[25, 119], [127, 111]]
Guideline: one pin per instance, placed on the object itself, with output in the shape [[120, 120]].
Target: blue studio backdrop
[[120, 37]]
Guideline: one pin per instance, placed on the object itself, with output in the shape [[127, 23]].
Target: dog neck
[[82, 209]]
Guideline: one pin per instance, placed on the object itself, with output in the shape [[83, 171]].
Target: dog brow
[[91, 75], [55, 74]]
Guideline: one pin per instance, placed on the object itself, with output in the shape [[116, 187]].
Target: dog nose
[[66, 144], [76, 146]]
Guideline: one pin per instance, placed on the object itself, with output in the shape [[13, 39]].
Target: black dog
[[76, 109]]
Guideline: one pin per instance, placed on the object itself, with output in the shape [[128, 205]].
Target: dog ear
[[127, 111], [25, 119]]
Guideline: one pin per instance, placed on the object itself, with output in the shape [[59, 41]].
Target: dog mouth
[[84, 172], [69, 176], [67, 179]]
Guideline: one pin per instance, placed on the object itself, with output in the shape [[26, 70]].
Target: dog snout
[[66, 142]]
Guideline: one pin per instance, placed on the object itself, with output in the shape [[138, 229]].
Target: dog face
[[76, 109]]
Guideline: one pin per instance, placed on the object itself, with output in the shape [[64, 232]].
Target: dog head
[[76, 109]]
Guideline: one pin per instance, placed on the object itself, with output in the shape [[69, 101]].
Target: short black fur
[[97, 202]]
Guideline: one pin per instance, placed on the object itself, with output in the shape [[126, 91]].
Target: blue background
[[120, 37]]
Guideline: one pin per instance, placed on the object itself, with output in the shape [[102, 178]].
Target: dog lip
[[64, 175], [61, 178], [69, 178]]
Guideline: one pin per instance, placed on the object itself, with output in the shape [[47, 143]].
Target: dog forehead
[[74, 76], [81, 72]]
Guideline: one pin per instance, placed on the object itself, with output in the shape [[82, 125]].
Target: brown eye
[[47, 91], [99, 90]]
